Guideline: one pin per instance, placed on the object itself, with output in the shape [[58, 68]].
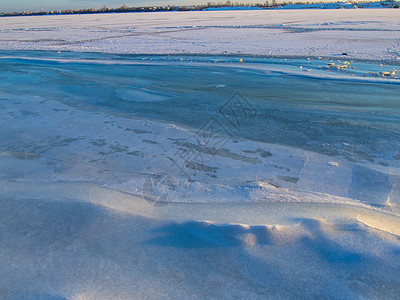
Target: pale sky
[[37, 5]]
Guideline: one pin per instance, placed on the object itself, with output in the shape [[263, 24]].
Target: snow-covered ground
[[200, 177], [364, 33]]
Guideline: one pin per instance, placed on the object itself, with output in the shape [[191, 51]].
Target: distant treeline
[[124, 8]]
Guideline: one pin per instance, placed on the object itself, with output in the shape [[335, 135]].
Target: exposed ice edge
[[242, 214], [272, 64]]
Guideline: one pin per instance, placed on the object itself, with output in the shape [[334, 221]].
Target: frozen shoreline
[[362, 34]]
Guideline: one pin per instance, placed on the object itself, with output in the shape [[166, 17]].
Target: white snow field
[[200, 175], [362, 33]]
